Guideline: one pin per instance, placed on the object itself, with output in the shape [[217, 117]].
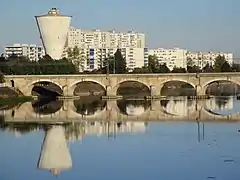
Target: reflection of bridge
[[111, 112], [111, 83]]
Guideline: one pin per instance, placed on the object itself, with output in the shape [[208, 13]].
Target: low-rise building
[[32, 51], [175, 57], [201, 59]]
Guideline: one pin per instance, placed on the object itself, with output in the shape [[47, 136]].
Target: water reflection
[[89, 106], [125, 110], [133, 107], [47, 106], [55, 155]]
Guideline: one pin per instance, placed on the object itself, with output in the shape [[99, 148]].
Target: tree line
[[220, 65], [75, 62]]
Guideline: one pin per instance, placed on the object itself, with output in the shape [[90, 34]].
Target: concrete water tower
[[53, 28]]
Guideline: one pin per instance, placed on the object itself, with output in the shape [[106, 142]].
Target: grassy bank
[[15, 100]]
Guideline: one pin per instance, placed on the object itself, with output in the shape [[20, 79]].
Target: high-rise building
[[32, 51], [104, 39], [53, 28], [171, 57], [97, 45]]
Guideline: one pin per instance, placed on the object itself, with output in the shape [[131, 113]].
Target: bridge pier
[[155, 91], [111, 93]]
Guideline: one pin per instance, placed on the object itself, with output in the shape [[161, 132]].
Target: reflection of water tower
[[53, 28], [55, 155]]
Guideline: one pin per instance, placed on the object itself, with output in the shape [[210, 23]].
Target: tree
[[236, 67], [163, 68], [178, 70], [77, 57], [219, 61], [207, 68], [226, 67], [120, 62], [153, 64], [193, 69], [2, 80], [190, 62]]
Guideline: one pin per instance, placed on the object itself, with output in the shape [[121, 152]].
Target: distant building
[[33, 52], [97, 45], [104, 39], [175, 57], [95, 57], [201, 59]]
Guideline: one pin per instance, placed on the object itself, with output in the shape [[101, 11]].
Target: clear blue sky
[[193, 24]]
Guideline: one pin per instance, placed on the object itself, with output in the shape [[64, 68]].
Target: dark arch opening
[[46, 106], [89, 88], [133, 107], [223, 88], [133, 89], [89, 106], [177, 88], [46, 89]]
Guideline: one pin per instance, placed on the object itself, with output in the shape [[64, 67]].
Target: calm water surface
[[181, 150]]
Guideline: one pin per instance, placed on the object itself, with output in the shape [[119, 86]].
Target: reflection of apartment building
[[171, 57], [201, 59], [98, 45], [106, 128], [33, 52], [180, 107], [220, 104]]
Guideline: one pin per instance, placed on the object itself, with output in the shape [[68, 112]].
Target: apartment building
[[96, 46], [175, 57], [93, 58], [104, 39], [200, 59], [32, 51]]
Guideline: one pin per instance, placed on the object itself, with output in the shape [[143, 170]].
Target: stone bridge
[[111, 112], [111, 83]]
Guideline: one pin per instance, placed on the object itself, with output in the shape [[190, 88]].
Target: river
[[180, 145]]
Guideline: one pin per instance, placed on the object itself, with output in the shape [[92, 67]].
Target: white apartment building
[[200, 59], [175, 57], [94, 57], [32, 51], [97, 45], [104, 39]]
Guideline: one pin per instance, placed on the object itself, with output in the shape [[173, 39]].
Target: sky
[[197, 25]]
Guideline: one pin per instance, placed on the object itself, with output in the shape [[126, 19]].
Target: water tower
[[53, 28]]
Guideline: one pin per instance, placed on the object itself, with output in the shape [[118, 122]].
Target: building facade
[[201, 59], [104, 39], [33, 52], [96, 46], [94, 58], [175, 57]]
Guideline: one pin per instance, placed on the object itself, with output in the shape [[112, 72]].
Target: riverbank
[[12, 101]]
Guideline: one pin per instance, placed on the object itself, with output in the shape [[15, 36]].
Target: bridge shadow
[[45, 106]]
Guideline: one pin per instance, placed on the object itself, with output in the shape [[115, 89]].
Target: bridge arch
[[209, 82], [73, 85], [59, 88], [116, 88], [171, 85]]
